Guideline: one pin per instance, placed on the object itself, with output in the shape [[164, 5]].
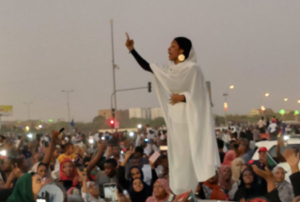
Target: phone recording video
[[110, 192]]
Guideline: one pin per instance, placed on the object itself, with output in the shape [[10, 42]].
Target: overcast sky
[[48, 46]]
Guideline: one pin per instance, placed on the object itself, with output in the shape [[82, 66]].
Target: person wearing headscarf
[[139, 191], [285, 189], [236, 167], [42, 169], [184, 98], [26, 188], [249, 186], [225, 178], [161, 191], [229, 157], [68, 174], [135, 172]]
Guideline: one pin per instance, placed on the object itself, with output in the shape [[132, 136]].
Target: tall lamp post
[[114, 66], [28, 109], [263, 108], [231, 87], [225, 107]]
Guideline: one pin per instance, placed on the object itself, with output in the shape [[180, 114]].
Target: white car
[[271, 147], [272, 144]]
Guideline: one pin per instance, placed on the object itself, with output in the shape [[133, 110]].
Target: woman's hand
[[292, 159], [82, 175], [175, 98], [129, 153], [184, 199], [127, 156], [129, 43]]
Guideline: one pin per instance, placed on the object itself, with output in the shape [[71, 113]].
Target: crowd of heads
[[118, 166]]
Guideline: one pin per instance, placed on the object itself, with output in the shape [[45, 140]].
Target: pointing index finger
[[127, 35]]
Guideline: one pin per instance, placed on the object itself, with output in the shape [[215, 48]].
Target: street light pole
[[28, 109], [68, 102], [113, 66], [225, 103]]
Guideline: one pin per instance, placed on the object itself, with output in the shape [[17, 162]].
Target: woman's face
[[67, 169], [138, 185], [37, 184], [279, 175], [227, 173], [174, 51], [42, 171], [248, 177], [135, 173], [159, 191], [94, 190]]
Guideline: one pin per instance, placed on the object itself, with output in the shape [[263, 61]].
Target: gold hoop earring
[[181, 57]]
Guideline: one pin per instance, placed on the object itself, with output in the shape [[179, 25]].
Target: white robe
[[192, 148]]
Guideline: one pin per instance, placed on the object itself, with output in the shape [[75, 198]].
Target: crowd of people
[[125, 167]]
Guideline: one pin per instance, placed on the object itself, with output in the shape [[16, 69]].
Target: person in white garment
[[183, 97]]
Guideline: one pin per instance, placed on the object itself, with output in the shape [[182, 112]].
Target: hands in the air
[[292, 159], [129, 43]]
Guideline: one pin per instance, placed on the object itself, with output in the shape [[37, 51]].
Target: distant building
[[156, 113], [254, 112], [106, 113], [142, 113]]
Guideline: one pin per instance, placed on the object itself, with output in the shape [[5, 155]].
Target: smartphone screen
[[154, 157], [41, 200], [110, 192]]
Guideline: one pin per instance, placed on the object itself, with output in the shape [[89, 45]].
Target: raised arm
[[121, 170], [143, 63], [267, 175], [278, 153], [93, 162], [48, 156]]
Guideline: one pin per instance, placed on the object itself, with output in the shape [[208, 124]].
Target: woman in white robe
[[183, 96]]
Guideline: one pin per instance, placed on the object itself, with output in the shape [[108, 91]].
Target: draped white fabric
[[192, 148]]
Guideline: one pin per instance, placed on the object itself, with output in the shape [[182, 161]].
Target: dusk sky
[[48, 46]]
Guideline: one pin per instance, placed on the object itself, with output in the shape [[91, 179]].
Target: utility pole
[[68, 102], [114, 66], [225, 107], [28, 109]]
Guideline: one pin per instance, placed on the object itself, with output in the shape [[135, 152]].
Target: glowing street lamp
[[231, 87], [282, 112], [267, 94], [298, 101], [225, 106], [262, 109], [286, 99]]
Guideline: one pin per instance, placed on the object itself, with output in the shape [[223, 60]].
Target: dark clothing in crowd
[[127, 183], [248, 193], [140, 196], [222, 155], [263, 183], [295, 180], [255, 191]]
